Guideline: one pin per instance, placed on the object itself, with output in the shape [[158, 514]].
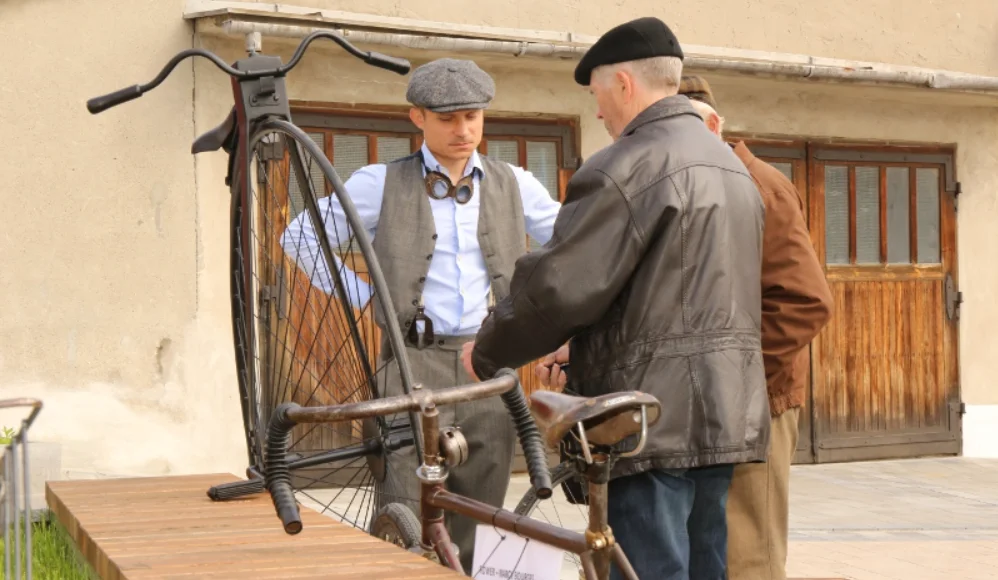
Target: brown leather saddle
[[607, 419]]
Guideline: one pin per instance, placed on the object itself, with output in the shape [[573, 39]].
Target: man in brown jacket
[[796, 304]]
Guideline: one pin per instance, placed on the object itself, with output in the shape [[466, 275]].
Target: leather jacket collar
[[661, 109]]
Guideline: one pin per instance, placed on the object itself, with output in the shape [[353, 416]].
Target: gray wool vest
[[406, 235]]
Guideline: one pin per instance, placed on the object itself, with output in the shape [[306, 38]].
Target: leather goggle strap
[[417, 338]]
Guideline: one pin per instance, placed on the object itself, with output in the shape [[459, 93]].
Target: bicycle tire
[[560, 474], [396, 524], [303, 339], [254, 447]]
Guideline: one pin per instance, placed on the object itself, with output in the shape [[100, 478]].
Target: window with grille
[[868, 205], [886, 214]]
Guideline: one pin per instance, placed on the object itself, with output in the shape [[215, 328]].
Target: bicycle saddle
[[607, 419], [218, 137]]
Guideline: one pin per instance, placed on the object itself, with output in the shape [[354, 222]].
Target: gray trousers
[[485, 424]]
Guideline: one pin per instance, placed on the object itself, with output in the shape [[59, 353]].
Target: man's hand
[[466, 349], [549, 370]]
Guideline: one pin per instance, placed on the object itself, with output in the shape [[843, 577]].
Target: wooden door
[[791, 161], [885, 373]]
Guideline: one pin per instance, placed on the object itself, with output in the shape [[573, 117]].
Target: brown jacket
[[796, 300]]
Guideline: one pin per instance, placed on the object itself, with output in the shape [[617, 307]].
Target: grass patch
[[54, 557]]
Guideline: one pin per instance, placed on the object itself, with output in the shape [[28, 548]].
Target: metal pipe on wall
[[924, 78]]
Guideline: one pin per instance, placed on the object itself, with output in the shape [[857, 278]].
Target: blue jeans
[[672, 524]]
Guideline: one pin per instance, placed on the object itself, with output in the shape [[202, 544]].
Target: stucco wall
[[100, 290], [960, 34]]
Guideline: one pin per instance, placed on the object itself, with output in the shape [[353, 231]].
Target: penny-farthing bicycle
[[303, 307]]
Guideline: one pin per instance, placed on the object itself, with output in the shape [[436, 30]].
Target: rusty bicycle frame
[[596, 547]]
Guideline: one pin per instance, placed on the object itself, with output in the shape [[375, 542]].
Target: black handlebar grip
[[394, 64], [277, 471], [287, 508], [530, 437], [100, 104]]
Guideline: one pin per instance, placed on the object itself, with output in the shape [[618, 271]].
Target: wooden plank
[[166, 527], [883, 362]]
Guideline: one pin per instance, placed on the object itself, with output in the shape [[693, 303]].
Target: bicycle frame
[[596, 547]]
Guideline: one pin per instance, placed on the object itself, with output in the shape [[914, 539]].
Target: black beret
[[642, 38]]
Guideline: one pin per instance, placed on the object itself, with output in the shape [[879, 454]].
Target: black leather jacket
[[653, 272]]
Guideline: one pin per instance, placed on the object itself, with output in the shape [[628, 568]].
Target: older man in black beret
[[653, 275], [448, 225]]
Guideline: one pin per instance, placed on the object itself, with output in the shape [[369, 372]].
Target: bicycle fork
[[432, 475]]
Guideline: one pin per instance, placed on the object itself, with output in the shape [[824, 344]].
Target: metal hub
[[375, 460]]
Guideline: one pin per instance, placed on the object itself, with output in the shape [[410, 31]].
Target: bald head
[[714, 121]]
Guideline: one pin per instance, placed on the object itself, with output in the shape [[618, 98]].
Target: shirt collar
[[429, 161]]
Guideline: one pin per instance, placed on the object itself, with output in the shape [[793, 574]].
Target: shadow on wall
[[186, 421]]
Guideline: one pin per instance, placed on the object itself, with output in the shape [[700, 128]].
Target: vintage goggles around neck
[[440, 187]]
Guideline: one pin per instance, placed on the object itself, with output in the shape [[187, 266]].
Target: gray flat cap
[[448, 84]]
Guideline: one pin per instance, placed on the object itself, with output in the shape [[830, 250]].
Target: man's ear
[[627, 85], [625, 82], [715, 123], [712, 121], [417, 117]]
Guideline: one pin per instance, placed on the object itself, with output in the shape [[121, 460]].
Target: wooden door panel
[[885, 378], [888, 373]]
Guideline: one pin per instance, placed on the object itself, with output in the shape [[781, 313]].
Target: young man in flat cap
[[796, 305], [447, 247], [653, 276]]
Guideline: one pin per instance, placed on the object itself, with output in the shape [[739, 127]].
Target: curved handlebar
[[529, 436], [277, 472], [390, 63]]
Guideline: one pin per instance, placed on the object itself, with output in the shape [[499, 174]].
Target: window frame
[[393, 121], [810, 157], [366, 119]]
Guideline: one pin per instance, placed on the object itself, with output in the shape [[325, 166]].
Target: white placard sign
[[513, 558]]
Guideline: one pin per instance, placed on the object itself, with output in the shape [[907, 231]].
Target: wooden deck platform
[[166, 527]]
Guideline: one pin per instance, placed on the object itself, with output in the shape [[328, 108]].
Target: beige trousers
[[759, 508]]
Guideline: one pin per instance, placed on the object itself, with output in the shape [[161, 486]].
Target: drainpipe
[[924, 78]]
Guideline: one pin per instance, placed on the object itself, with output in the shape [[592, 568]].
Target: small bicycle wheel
[[396, 524], [305, 331], [564, 508]]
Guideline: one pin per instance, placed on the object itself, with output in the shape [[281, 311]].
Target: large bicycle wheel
[[304, 298]]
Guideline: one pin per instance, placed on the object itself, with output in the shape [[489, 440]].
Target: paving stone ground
[[919, 519]]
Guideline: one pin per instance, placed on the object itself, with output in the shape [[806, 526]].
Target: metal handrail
[[16, 473]]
